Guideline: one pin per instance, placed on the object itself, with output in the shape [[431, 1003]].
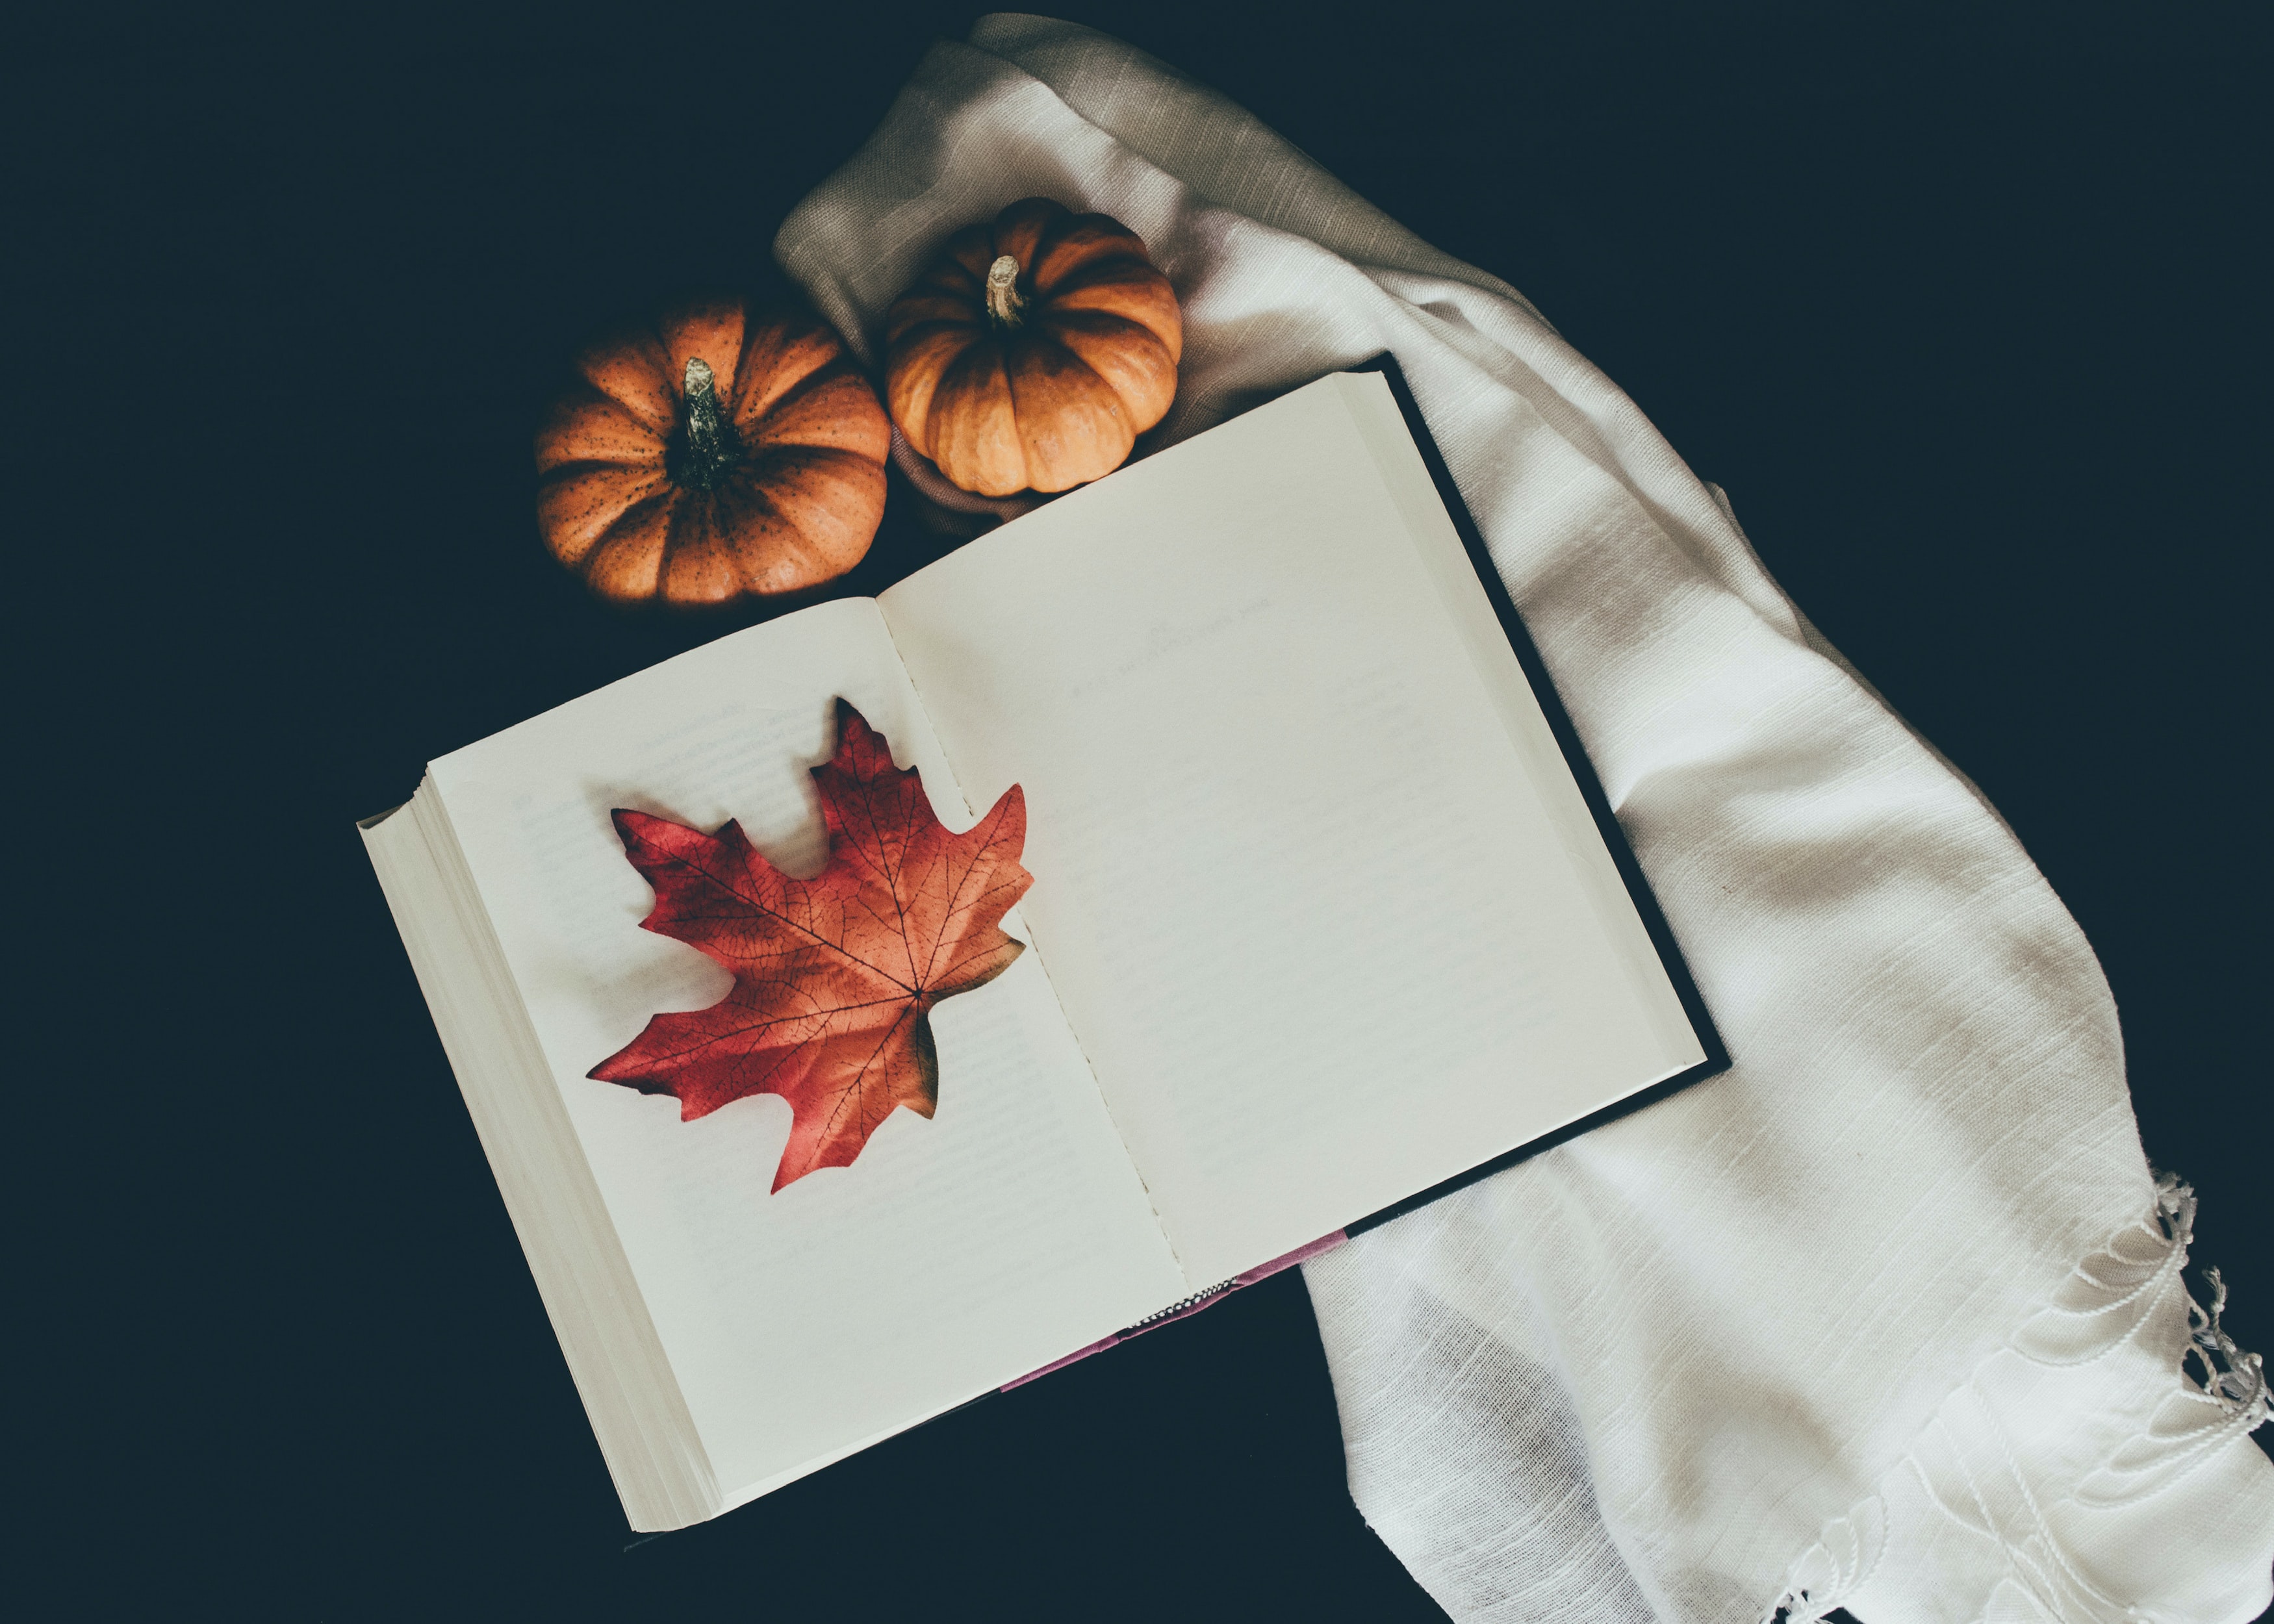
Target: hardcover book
[[1156, 889]]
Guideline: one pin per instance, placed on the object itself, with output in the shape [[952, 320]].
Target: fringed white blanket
[[1888, 1317]]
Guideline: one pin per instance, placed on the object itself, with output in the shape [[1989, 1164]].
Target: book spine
[[1190, 1305]]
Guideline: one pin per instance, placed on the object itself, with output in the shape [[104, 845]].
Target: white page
[[1312, 883], [955, 1253]]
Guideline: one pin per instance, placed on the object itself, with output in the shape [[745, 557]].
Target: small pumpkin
[[714, 453], [1034, 350]]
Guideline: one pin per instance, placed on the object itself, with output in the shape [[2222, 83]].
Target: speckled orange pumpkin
[[1034, 350], [714, 454]]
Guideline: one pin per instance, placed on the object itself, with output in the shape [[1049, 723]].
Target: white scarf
[[1888, 1317]]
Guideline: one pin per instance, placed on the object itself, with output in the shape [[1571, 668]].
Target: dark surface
[[1965, 309]]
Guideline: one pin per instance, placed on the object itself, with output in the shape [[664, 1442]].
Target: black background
[[1966, 308]]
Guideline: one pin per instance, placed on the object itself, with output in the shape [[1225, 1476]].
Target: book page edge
[[646, 1434]]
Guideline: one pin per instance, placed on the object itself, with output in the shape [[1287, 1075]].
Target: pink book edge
[[1261, 1271]]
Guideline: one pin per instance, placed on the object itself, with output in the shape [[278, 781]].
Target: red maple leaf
[[835, 977]]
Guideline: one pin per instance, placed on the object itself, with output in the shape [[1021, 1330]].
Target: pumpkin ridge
[[754, 509], [913, 379], [819, 523], [1097, 323], [970, 250], [917, 331], [953, 276], [1065, 372], [828, 375], [811, 422], [561, 473], [1134, 362], [1078, 327], [806, 537], [1124, 280], [697, 551], [635, 355], [911, 311], [816, 350], [1022, 230], [977, 382], [795, 459], [676, 537], [587, 421], [635, 514], [575, 514], [1072, 256], [1124, 269], [1085, 309], [625, 563]]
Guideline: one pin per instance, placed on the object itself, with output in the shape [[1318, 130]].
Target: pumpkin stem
[[1004, 308], [710, 446]]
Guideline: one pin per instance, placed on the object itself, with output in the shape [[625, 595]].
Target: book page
[[955, 1253], [1312, 882]]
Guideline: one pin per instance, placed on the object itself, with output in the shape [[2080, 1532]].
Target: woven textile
[[1889, 1316]]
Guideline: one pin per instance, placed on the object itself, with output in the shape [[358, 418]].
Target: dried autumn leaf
[[835, 977]]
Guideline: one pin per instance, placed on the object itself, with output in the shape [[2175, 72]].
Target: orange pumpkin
[[714, 454], [1034, 350]]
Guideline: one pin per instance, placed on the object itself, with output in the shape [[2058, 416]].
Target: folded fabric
[[1887, 1317]]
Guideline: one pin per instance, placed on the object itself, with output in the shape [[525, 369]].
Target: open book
[[1328, 913]]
